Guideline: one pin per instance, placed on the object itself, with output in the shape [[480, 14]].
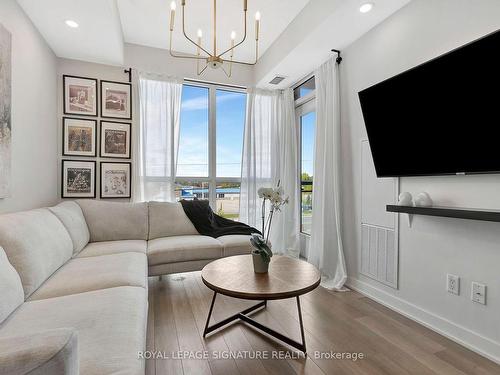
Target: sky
[[230, 120], [193, 143], [307, 134]]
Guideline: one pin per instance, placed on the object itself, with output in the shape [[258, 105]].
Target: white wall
[[432, 247], [156, 60], [153, 60], [34, 121]]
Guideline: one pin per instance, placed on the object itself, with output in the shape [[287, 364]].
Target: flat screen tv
[[439, 118]]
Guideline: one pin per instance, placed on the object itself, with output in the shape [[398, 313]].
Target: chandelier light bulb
[[172, 16], [200, 33], [257, 16]]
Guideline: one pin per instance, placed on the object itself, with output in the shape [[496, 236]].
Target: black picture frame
[[102, 180], [64, 119], [103, 154], [103, 98], [66, 111], [64, 195]]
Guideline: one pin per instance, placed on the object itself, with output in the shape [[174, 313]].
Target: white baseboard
[[471, 340]]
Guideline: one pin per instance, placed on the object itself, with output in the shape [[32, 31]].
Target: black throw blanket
[[208, 223]]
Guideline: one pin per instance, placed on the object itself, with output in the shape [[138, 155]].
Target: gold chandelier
[[214, 60]]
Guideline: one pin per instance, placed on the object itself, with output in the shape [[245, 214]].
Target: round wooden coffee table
[[234, 277]]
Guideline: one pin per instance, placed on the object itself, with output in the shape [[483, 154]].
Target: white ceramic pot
[[259, 265]]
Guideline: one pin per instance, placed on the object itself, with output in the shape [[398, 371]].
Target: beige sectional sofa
[[73, 282]]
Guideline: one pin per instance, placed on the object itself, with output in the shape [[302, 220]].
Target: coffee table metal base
[[244, 316]]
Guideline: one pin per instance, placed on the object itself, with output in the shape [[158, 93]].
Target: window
[[305, 89], [307, 125], [230, 120], [210, 146], [191, 189], [306, 120], [231, 112], [192, 159]]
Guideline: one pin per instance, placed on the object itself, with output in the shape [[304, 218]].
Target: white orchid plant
[[277, 200]]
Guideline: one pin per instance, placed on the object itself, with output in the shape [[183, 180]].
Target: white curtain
[[270, 155], [325, 250], [157, 143], [286, 224]]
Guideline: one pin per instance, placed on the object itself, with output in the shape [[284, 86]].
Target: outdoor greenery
[[305, 177], [226, 185], [306, 182]]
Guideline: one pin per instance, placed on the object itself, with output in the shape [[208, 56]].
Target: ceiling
[[296, 35], [106, 24], [99, 37], [330, 24], [149, 25]]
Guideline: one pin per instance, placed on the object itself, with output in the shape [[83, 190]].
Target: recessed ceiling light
[[365, 8], [72, 24]]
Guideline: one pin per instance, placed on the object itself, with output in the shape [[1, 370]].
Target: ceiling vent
[[277, 80]]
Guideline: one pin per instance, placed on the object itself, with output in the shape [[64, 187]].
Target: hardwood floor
[[338, 322]]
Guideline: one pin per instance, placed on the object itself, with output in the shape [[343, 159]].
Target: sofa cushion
[[235, 244], [87, 274], [183, 248], [11, 289], [110, 323], [178, 267], [71, 216], [168, 219], [113, 247], [53, 352], [113, 221], [36, 244]]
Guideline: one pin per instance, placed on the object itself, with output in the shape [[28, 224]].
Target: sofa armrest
[[46, 352]]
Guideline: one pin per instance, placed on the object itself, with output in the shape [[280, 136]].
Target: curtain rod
[[339, 59], [215, 83], [129, 72]]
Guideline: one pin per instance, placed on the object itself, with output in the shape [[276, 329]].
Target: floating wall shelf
[[459, 213]]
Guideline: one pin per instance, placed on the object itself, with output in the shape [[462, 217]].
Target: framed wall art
[[116, 100], [115, 140], [78, 179], [79, 137], [115, 180], [80, 96]]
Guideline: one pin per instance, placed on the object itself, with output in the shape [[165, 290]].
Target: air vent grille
[[277, 80]]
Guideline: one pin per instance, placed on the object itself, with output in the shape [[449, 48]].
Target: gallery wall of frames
[[96, 138]]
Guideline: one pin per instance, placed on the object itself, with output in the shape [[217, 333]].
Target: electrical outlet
[[453, 284], [478, 293]]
